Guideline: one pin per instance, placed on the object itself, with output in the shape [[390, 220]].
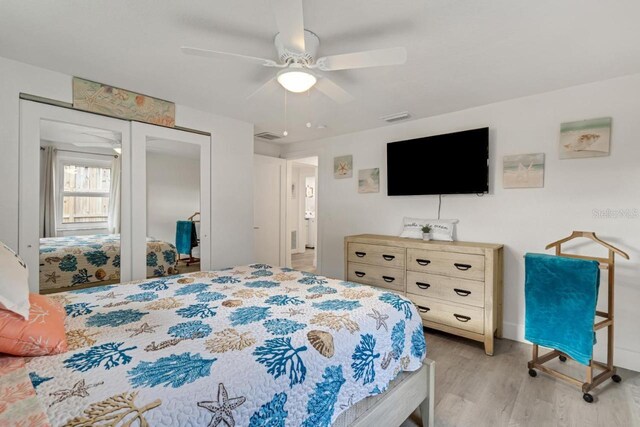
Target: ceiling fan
[[297, 50]]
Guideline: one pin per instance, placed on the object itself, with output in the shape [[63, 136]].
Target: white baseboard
[[624, 358]]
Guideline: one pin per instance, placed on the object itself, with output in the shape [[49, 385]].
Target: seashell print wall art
[[586, 138]]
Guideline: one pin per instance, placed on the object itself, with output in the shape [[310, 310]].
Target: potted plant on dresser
[[426, 232]]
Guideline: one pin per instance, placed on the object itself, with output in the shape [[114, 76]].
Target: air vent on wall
[[392, 118], [267, 135]]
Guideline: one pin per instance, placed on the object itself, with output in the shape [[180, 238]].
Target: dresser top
[[406, 242]]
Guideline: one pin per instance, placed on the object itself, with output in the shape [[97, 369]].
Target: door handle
[[423, 261], [462, 267], [423, 309], [461, 318], [360, 273], [462, 292], [388, 279], [360, 254], [422, 285], [388, 257], [256, 228]]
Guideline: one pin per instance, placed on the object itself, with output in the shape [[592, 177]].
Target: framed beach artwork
[[369, 180], [124, 104], [343, 167], [586, 138], [523, 171]]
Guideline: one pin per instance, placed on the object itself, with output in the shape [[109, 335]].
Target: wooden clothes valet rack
[[608, 370], [191, 259]]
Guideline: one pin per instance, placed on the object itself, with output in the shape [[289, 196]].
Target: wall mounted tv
[[453, 163]]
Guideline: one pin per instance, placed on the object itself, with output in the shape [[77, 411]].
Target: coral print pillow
[[42, 334], [14, 282]]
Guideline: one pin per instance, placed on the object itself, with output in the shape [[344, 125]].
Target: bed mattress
[[248, 346]]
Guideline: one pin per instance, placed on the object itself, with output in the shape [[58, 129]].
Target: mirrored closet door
[[171, 201], [74, 224]]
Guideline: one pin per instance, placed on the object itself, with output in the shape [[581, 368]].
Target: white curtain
[[48, 193], [114, 197]]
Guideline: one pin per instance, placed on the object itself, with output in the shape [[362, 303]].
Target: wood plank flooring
[[474, 390], [304, 261]]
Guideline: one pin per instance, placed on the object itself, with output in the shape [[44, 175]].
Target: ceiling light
[[296, 79], [118, 150]]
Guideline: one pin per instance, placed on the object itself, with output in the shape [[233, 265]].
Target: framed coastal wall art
[[523, 171], [115, 102], [369, 180], [586, 138], [343, 167]]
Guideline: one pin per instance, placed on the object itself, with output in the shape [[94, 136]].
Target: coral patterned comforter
[[80, 260], [249, 346]]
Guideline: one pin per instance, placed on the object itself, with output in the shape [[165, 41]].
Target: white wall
[[265, 148], [173, 193], [232, 158], [523, 220]]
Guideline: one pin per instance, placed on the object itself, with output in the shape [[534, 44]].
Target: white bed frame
[[394, 406]]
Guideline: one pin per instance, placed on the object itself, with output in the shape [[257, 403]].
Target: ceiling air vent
[[392, 118], [267, 135]]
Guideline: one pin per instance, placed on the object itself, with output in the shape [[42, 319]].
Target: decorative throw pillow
[[42, 334], [441, 229], [14, 282]]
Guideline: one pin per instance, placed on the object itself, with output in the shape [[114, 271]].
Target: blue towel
[[560, 298], [186, 237]]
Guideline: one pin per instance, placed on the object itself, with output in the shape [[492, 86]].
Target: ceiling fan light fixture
[[296, 79]]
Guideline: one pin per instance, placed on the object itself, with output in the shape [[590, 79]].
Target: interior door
[[88, 140], [269, 189], [143, 136]]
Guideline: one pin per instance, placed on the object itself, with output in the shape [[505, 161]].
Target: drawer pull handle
[[360, 273], [461, 318], [462, 292], [423, 309], [423, 261], [360, 254], [388, 279], [388, 257], [463, 267], [422, 285]]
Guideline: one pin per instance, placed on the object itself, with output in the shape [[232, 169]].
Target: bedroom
[[519, 70]]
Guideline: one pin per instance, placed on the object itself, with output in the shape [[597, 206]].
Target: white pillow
[[441, 229], [14, 282]]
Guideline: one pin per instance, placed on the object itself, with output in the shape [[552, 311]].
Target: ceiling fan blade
[[333, 91], [206, 53], [290, 22], [366, 59], [268, 84]]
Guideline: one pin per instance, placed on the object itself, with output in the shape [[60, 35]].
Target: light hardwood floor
[[304, 261], [474, 390]]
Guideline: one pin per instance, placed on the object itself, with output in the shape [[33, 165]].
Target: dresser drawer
[[384, 277], [450, 264], [451, 314], [461, 291], [384, 256]]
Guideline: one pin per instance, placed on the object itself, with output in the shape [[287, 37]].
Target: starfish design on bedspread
[[110, 295], [52, 277], [222, 409], [381, 319], [294, 312], [79, 389], [144, 328]]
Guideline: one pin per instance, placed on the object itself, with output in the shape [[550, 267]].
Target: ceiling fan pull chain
[[309, 108], [285, 133]]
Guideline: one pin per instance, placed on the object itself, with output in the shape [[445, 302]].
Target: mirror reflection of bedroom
[[173, 207], [79, 206]]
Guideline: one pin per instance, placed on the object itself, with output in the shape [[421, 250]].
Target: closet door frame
[[31, 114], [140, 132]]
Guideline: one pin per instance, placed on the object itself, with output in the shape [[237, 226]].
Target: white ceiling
[[462, 53], [80, 136]]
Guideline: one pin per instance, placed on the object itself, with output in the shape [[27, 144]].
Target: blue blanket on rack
[[186, 236], [560, 298]]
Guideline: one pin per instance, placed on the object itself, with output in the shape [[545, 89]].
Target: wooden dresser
[[456, 286]]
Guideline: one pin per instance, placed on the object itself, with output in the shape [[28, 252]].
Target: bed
[[248, 346], [79, 261]]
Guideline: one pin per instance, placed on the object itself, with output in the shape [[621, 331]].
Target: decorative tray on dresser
[[456, 286]]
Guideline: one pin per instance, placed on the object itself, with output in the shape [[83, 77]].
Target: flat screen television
[[453, 163]]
